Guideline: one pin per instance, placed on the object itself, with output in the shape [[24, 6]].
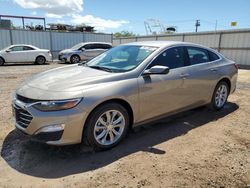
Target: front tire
[[106, 126], [74, 59], [220, 96], [40, 60], [1, 61]]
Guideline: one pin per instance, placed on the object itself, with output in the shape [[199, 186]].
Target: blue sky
[[114, 15]]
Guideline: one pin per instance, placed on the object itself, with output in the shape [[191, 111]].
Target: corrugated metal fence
[[234, 44], [54, 41]]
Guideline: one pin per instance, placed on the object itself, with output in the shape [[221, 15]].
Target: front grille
[[25, 100], [23, 117]]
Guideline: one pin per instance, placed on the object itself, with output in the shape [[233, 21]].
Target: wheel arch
[[75, 55], [41, 55], [120, 101], [227, 80], [2, 58]]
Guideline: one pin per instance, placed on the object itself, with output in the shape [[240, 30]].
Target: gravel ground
[[198, 148]]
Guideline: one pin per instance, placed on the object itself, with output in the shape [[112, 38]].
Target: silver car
[[83, 51], [98, 102]]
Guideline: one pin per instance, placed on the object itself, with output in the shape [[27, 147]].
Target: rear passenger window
[[27, 48], [89, 46], [106, 46], [102, 46], [97, 46], [172, 58], [213, 56], [197, 55]]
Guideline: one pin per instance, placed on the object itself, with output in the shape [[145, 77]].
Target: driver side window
[[172, 58], [16, 48]]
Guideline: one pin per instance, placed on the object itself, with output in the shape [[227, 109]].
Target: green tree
[[124, 34]]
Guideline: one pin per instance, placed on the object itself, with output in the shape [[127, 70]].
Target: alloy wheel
[[40, 60], [221, 95], [109, 127], [75, 59]]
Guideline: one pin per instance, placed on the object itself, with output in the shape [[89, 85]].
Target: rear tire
[[74, 59], [1, 61], [106, 126], [220, 96], [40, 60]]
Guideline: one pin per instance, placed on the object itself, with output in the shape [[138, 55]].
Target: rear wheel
[[220, 96], [1, 61], [74, 59], [40, 60], [106, 126]]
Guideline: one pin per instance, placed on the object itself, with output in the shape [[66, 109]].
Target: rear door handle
[[213, 70], [184, 75]]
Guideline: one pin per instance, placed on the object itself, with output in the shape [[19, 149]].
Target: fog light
[[50, 128]]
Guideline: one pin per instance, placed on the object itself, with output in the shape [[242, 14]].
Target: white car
[[24, 53]]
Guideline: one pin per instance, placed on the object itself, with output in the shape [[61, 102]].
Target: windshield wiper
[[101, 68], [83, 63]]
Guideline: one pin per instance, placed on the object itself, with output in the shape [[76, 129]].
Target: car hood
[[65, 82], [66, 51]]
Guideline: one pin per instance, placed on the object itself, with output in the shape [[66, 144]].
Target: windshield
[[121, 58], [77, 46]]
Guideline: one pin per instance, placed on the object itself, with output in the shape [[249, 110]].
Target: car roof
[[23, 45], [83, 43], [165, 44], [162, 44]]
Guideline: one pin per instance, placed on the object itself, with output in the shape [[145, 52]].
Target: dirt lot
[[196, 148]]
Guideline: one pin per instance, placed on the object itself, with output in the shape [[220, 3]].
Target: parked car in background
[[83, 51], [23, 53], [97, 102]]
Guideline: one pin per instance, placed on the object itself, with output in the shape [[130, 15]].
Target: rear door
[[91, 50], [201, 75]]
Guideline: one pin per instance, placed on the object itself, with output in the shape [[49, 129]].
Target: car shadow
[[41, 160], [23, 64]]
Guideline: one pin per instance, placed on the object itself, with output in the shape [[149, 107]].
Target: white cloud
[[56, 7], [34, 13], [51, 15], [60, 21], [98, 23]]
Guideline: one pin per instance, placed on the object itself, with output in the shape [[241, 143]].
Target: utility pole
[[216, 23], [197, 24]]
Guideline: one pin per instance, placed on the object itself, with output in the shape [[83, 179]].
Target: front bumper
[[55, 128], [44, 137], [64, 57], [49, 58]]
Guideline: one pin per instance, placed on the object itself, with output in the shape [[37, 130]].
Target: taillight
[[236, 66]]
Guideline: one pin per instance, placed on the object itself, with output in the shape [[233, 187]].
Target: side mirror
[[83, 49], [158, 69], [8, 50]]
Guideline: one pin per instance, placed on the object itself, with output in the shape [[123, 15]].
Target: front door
[[16, 54], [161, 94]]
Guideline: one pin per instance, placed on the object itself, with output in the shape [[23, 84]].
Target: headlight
[[56, 105]]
